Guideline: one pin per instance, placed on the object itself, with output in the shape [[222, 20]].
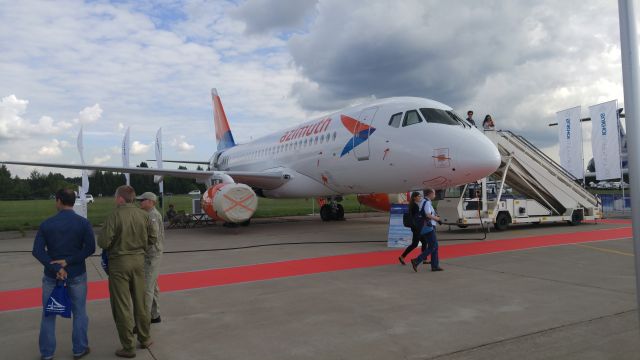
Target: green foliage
[[41, 186], [28, 214]]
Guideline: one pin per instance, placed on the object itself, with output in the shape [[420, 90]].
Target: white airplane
[[385, 146]]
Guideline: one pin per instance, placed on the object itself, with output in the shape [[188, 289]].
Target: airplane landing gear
[[332, 211]]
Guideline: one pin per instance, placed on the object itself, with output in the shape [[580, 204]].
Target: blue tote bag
[[59, 302]]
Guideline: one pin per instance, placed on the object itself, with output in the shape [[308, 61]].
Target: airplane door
[[362, 132]]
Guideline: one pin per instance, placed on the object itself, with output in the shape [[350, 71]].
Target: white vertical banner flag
[[125, 153], [81, 208], [159, 156], [570, 139], [80, 146], [605, 140], [85, 175]]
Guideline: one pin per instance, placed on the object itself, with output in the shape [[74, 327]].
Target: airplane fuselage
[[387, 145]]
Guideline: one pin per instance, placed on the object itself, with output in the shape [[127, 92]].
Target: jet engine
[[229, 202], [381, 201], [376, 201]]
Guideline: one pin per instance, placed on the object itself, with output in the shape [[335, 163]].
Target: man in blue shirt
[[62, 244], [432, 241]]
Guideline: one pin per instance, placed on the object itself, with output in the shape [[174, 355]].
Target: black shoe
[[426, 262], [156, 320], [414, 265], [146, 345], [82, 354], [401, 259], [437, 269], [125, 354]]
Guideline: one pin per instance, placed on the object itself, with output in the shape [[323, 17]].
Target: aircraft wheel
[[576, 218], [325, 213], [339, 212], [502, 221]]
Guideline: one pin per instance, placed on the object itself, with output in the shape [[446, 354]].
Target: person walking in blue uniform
[[432, 242], [62, 244]]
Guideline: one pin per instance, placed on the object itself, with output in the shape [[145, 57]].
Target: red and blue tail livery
[[359, 130], [223, 132]]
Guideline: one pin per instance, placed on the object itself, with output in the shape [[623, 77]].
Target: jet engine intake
[[234, 203]]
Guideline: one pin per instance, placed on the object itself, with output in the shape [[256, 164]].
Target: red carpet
[[31, 298]]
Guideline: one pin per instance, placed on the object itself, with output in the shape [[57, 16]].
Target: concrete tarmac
[[574, 301]]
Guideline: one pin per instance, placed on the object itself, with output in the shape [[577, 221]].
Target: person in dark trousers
[[126, 234], [417, 216], [432, 241], [62, 244]]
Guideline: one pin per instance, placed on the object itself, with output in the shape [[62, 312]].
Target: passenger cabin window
[[411, 117], [439, 116], [395, 120]]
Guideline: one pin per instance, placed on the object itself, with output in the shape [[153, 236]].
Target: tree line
[[102, 183]]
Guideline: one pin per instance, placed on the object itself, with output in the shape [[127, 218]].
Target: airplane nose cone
[[479, 158], [489, 156]]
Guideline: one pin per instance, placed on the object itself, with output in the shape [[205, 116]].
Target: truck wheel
[[576, 218], [502, 221]]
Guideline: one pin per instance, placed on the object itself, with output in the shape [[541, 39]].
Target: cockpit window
[[441, 117], [395, 120], [411, 117]]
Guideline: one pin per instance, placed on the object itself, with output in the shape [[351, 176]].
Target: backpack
[[407, 221]]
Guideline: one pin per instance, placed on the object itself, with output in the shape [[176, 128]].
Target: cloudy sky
[[109, 65]]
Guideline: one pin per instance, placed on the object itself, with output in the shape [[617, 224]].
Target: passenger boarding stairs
[[535, 175]]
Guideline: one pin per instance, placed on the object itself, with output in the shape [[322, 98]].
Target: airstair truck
[[546, 191]]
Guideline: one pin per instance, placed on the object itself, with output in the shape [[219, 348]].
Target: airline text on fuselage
[[306, 130]]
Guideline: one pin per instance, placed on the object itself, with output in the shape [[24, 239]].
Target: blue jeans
[[432, 249], [77, 288]]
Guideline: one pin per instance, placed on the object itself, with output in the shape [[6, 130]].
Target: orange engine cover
[[376, 201], [234, 203]]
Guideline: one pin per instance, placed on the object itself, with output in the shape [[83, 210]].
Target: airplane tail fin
[[223, 132]]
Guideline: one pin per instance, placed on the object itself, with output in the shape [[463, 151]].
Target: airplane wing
[[263, 180]]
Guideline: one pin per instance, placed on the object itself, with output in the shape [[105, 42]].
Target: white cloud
[[99, 160], [14, 126], [53, 149], [120, 126], [90, 114], [11, 110], [181, 144], [138, 148]]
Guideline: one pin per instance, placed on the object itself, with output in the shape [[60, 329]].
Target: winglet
[[223, 132]]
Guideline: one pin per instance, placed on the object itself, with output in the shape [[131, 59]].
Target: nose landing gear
[[332, 210]]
